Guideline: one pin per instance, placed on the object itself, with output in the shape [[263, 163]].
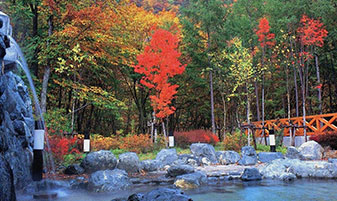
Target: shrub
[[235, 141], [326, 139], [137, 143], [62, 146], [57, 122], [98, 142], [184, 139]]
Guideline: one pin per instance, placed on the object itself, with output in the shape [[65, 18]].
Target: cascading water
[[49, 162]]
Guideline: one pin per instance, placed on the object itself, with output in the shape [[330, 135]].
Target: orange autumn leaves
[[265, 37], [158, 63]]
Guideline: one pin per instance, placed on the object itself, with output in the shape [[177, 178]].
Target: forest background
[[246, 60]]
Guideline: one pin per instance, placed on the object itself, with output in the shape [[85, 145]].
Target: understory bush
[[98, 142], [184, 139], [234, 141], [65, 149], [326, 139], [136, 143]]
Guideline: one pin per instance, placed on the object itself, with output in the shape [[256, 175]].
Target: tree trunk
[[164, 131], [257, 100], [262, 101], [34, 10], [289, 109], [318, 86], [224, 116], [46, 74]]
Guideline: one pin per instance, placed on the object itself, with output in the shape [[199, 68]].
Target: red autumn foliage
[[183, 139], [326, 139], [158, 63], [311, 32], [265, 37], [61, 146]]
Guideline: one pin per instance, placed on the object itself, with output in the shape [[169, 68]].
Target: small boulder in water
[[74, 169], [109, 181], [177, 170], [251, 174]]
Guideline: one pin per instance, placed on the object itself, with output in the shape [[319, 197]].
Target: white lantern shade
[[38, 139], [86, 145], [272, 140], [171, 141]]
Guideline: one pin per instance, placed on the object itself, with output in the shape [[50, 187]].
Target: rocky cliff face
[[16, 138]]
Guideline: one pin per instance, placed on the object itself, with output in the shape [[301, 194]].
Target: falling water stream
[[49, 161]]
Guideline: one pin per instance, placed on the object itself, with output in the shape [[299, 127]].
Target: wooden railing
[[315, 125]]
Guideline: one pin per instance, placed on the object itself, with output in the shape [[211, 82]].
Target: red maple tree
[[158, 63], [311, 32], [265, 37]]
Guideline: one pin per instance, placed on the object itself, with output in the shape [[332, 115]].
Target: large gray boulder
[[190, 181], [277, 167], [99, 160], [293, 153], [332, 160], [109, 181], [150, 165], [167, 156], [129, 162], [251, 174], [177, 170], [16, 130], [249, 156], [301, 169], [161, 194], [311, 150], [203, 150], [227, 157], [267, 157], [7, 190], [187, 159]]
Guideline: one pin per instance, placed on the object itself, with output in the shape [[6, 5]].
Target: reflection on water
[[322, 190]]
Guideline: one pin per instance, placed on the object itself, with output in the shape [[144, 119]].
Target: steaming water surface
[[318, 190]]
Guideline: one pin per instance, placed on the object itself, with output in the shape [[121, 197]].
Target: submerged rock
[[267, 157], [203, 150], [109, 180], [227, 157], [161, 194], [249, 156], [177, 170], [311, 150], [99, 160], [287, 177], [129, 162], [251, 174], [190, 181], [167, 156]]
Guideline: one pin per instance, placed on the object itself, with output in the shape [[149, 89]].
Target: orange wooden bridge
[[315, 125]]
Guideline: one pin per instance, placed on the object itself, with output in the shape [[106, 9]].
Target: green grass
[[266, 148]]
